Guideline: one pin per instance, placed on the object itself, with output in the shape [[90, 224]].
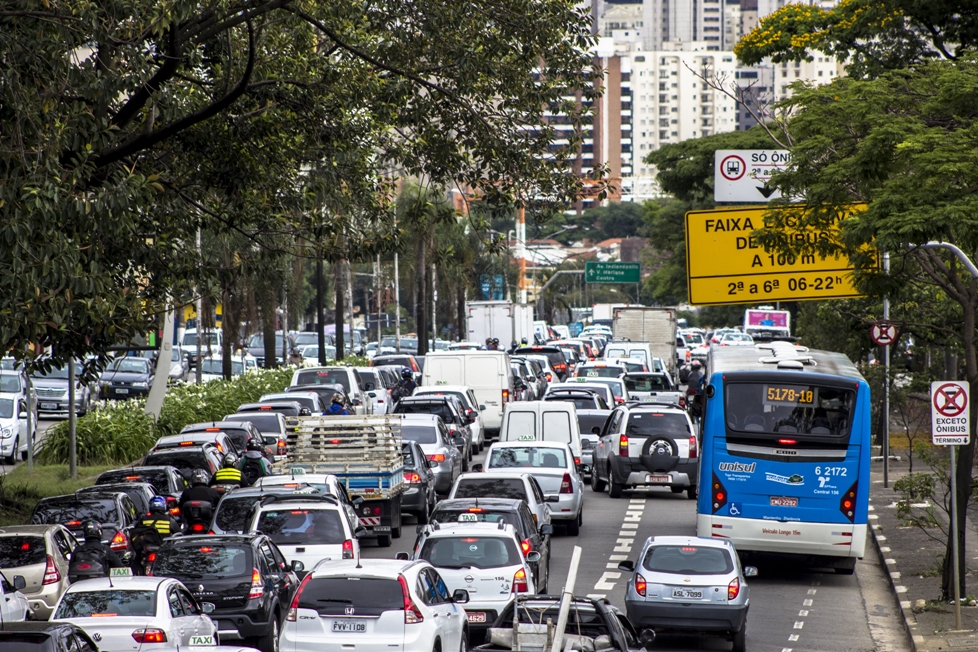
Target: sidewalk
[[912, 559]]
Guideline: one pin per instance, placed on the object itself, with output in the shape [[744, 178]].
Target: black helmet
[[92, 530], [254, 445], [200, 476], [495, 340], [513, 343], [406, 374], [229, 461], [523, 340]]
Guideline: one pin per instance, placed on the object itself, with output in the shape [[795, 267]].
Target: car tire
[[396, 532], [13, 452], [465, 465], [384, 540], [691, 493], [268, 642], [463, 645], [740, 639], [614, 488], [597, 484], [574, 527]]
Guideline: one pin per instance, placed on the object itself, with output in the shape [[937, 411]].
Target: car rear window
[[438, 409], [557, 427], [284, 410], [646, 424], [527, 458], [465, 551], [513, 488], [688, 560], [74, 512], [185, 460], [89, 604], [476, 515], [264, 422], [159, 479], [420, 434], [369, 596], [198, 562], [17, 551], [601, 372], [324, 377], [647, 384], [232, 512], [26, 641], [297, 526]]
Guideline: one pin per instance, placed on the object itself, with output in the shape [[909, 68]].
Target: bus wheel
[[615, 488]]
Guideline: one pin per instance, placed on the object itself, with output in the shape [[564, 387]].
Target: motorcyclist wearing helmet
[[199, 489], [336, 407], [694, 389], [407, 384], [295, 358], [92, 558], [495, 344], [523, 341], [160, 519], [229, 474], [512, 347], [254, 465]]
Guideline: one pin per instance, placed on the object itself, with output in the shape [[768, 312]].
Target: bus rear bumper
[[792, 537]]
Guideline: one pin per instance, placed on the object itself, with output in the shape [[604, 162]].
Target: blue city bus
[[785, 453]]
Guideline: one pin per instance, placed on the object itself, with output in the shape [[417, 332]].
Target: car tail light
[[623, 445], [412, 478], [119, 542], [565, 485], [294, 607], [577, 461], [550, 377], [682, 402], [151, 557], [149, 635], [848, 503], [437, 457], [197, 527], [733, 589], [51, 574], [526, 545], [257, 588], [282, 449], [412, 615], [787, 442], [719, 494], [693, 448], [640, 584], [348, 549], [73, 524], [519, 582]]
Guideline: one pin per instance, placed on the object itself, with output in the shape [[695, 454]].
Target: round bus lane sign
[[883, 333], [950, 416]]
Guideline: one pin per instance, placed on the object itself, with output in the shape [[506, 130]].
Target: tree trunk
[[422, 309], [228, 339], [268, 306], [340, 309], [320, 312]]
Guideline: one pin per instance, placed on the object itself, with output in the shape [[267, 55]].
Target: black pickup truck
[[596, 625]]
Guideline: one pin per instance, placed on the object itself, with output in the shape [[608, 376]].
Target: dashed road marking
[[606, 583], [807, 603], [618, 557], [799, 624], [803, 612], [793, 638], [812, 591]]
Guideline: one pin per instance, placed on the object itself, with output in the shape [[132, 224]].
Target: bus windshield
[[809, 413]]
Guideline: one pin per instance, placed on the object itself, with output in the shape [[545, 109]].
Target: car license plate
[[49, 406], [660, 479], [476, 616], [687, 593], [202, 641], [121, 391], [382, 528], [784, 501], [349, 626]]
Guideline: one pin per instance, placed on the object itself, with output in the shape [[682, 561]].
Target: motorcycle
[[197, 516]]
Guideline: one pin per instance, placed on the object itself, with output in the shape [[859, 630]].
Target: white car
[[512, 484], [137, 613], [484, 559], [736, 339], [349, 377], [212, 367], [14, 606], [377, 393], [324, 482], [377, 605], [13, 427], [307, 528], [552, 465], [469, 402]]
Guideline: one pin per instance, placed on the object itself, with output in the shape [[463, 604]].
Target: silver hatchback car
[[689, 584]]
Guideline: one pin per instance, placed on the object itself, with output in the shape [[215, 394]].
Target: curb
[[899, 592]]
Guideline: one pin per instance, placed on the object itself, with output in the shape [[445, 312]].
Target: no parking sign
[[950, 416]]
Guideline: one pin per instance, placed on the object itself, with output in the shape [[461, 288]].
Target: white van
[[542, 421], [640, 351], [487, 373]]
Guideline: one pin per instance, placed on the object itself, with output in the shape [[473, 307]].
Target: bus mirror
[[710, 391]]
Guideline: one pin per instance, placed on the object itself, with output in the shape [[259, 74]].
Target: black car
[[43, 636], [166, 480], [272, 427], [256, 347], [127, 377], [115, 511], [187, 458], [140, 493], [245, 576], [450, 409], [420, 497], [553, 353], [239, 432], [514, 512]]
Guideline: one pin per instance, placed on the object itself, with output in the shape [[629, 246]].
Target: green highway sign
[[612, 272]]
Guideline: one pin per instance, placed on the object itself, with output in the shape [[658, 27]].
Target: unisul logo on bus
[[737, 467]]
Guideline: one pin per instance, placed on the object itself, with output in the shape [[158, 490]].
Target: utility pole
[[886, 384], [320, 311], [397, 304], [200, 311], [72, 419], [521, 253]]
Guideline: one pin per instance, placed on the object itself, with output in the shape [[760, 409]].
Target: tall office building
[[685, 21]]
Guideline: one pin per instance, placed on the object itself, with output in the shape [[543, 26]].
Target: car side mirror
[[482, 407], [360, 532], [22, 414], [357, 500], [749, 571], [628, 566], [305, 412], [586, 444], [19, 583], [596, 430], [372, 394], [298, 566], [552, 499], [207, 607], [459, 441], [533, 557], [461, 596], [546, 529], [356, 401], [477, 468], [432, 464], [403, 556]]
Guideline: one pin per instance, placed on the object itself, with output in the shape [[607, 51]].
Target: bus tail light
[[733, 589], [848, 503], [640, 584], [623, 445], [719, 494], [693, 451]]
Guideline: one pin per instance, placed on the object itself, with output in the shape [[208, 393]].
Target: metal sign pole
[[886, 387], [955, 581], [72, 440]]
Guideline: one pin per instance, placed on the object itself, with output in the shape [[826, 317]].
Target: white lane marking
[[803, 612], [618, 557], [624, 545], [606, 583], [627, 533], [596, 596], [799, 624], [793, 637], [812, 591], [633, 518], [807, 603], [786, 649], [901, 589], [612, 565], [629, 526]]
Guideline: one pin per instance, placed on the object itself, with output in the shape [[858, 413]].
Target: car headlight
[[140, 385], [6, 433]]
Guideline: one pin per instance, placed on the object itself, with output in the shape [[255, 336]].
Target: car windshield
[[302, 339], [216, 367], [232, 512], [645, 424], [190, 339], [470, 552], [60, 373], [257, 341], [688, 560], [530, 457], [203, 562], [91, 604], [6, 408], [129, 366], [737, 337], [420, 434], [581, 402], [297, 526], [159, 479], [647, 383], [325, 377], [10, 383], [74, 512], [22, 550], [513, 488], [617, 386], [439, 409], [269, 423], [368, 596], [460, 396]]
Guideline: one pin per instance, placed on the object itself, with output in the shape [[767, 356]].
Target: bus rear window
[[804, 413]]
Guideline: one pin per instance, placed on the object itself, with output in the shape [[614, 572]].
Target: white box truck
[[502, 320], [767, 322], [656, 326]]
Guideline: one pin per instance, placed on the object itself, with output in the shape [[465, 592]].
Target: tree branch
[[171, 61]]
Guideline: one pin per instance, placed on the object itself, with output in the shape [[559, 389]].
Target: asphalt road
[[792, 608]]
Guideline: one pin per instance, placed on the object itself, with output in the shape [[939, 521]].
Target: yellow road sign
[[725, 265]]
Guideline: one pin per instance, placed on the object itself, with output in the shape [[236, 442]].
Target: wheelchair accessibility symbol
[[734, 509]]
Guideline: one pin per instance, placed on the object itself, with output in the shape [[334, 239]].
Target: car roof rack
[[635, 404], [298, 498]]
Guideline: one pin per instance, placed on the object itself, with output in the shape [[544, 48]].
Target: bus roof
[[744, 358]]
